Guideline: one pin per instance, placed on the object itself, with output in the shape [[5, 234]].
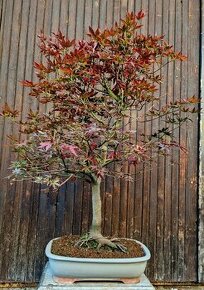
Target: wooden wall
[[160, 206]]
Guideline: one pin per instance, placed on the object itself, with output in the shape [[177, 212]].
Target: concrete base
[[52, 283]]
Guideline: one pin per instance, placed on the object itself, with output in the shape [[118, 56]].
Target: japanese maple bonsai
[[90, 87]]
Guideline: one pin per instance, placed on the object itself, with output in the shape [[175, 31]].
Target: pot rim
[[98, 260]]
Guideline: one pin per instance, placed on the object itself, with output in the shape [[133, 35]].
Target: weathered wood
[[192, 134], [157, 180], [86, 208], [2, 20], [175, 157], [69, 208], [172, 193], [64, 16], [183, 157], [201, 159], [87, 15], [6, 93], [80, 19], [160, 206], [103, 13], [158, 171], [72, 19]]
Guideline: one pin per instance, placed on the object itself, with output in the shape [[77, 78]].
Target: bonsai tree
[[90, 87]]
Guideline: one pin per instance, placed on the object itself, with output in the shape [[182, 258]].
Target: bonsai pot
[[70, 267]]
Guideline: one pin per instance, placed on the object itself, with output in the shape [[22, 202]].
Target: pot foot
[[62, 280], [130, 280]]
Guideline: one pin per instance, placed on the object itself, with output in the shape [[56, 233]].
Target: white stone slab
[[47, 282]]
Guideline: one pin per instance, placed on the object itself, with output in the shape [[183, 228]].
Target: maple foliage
[[91, 86]]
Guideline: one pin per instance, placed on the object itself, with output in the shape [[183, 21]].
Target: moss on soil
[[66, 246]]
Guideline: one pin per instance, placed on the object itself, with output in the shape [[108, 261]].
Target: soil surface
[[66, 246]]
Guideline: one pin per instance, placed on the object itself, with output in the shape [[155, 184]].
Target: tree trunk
[[96, 208]]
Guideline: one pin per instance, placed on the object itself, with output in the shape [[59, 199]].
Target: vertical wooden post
[[201, 155]]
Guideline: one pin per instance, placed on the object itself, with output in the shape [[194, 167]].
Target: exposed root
[[97, 241]]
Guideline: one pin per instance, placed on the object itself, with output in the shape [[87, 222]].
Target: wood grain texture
[[160, 206], [192, 134], [201, 169]]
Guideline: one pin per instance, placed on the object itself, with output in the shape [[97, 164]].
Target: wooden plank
[[7, 197], [87, 17], [34, 190], [24, 216], [64, 16], [169, 190], [43, 17], [42, 225], [16, 91], [165, 90], [176, 154], [137, 5], [107, 204], [41, 20], [2, 19], [30, 102], [46, 27], [77, 213], [108, 217], [69, 208], [183, 140], [201, 164], [95, 13], [192, 135], [172, 92], [86, 208], [123, 205], [32, 270], [16, 196], [116, 207], [40, 199], [110, 8], [1, 13], [102, 14], [4, 77], [157, 169], [144, 5], [2, 98], [123, 8], [116, 10], [72, 18], [80, 19], [178, 210], [148, 28], [25, 191], [56, 9], [60, 211], [131, 5]]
